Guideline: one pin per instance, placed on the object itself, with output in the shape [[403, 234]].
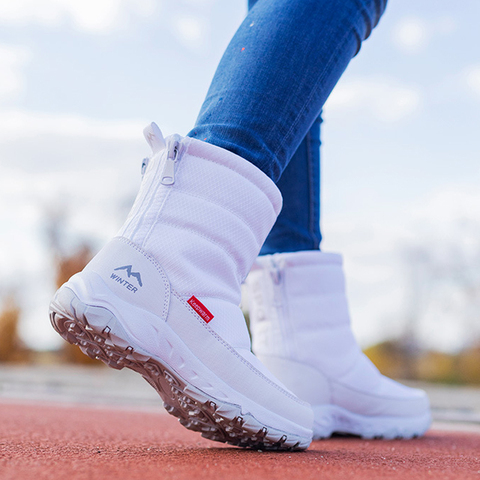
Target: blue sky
[[400, 158]]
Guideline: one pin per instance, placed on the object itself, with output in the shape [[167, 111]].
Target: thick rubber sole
[[332, 419], [216, 420]]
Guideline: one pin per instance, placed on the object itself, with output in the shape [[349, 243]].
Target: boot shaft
[[298, 307], [214, 208]]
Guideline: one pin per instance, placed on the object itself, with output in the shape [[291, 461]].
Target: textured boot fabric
[[163, 296], [301, 331]]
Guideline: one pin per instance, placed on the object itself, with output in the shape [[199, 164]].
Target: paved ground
[[56, 442], [83, 423]]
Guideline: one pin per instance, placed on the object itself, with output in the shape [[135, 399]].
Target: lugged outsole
[[196, 410], [368, 436], [343, 422]]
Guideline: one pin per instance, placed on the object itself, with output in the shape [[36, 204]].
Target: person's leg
[[298, 224], [277, 73], [245, 110]]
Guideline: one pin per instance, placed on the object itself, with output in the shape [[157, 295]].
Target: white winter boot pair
[[162, 299]]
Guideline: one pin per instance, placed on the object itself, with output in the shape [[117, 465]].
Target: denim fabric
[[267, 94], [298, 225]]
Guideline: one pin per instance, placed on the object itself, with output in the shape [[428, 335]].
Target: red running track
[[57, 442]]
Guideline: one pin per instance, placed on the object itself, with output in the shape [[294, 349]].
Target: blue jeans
[[267, 94]]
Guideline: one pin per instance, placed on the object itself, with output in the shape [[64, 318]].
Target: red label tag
[[200, 308]]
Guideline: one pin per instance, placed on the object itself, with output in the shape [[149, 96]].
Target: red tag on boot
[[200, 308]]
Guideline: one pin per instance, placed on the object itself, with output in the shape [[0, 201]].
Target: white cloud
[[17, 124], [199, 3], [86, 173], [386, 99], [90, 201], [62, 162], [92, 16], [12, 61], [448, 205], [471, 77], [421, 259], [413, 34], [191, 31], [84, 170], [446, 229]]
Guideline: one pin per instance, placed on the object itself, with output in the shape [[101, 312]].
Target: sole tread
[[195, 410], [348, 424]]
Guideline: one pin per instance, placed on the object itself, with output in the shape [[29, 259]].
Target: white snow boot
[[162, 297], [301, 331]]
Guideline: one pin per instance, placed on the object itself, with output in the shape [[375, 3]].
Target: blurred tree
[[68, 260], [438, 367], [72, 264], [441, 294], [392, 359], [469, 365], [66, 267], [11, 348]]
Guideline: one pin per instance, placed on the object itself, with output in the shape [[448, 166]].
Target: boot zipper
[[277, 267], [276, 271], [168, 174]]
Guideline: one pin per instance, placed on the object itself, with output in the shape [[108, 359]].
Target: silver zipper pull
[[276, 271], [144, 165], [168, 174]]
